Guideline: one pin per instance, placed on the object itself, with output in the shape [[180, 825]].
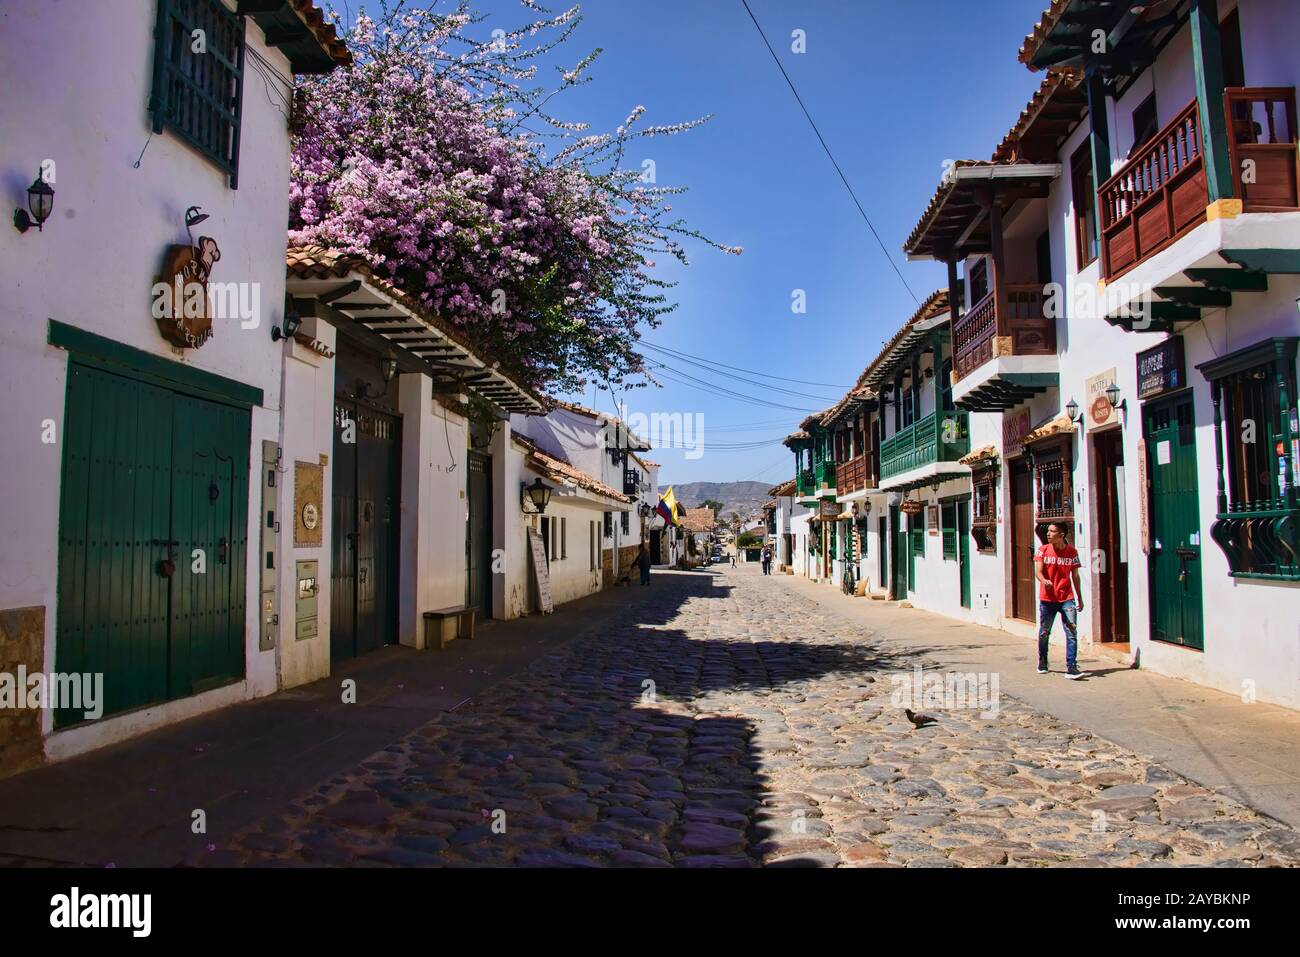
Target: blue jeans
[[1069, 616], [645, 575]]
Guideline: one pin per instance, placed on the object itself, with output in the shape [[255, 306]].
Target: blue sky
[[896, 88]]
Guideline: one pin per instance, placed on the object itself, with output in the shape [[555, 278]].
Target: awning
[[342, 289]]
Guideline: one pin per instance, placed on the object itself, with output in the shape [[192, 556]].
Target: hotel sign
[[1161, 369], [1098, 409]]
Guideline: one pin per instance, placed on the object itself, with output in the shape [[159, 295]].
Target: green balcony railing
[[826, 474], [1260, 540], [939, 437], [805, 483]]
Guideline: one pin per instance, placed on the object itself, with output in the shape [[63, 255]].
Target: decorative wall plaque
[[308, 490], [180, 296]]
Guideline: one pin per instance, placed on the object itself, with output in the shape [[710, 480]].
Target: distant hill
[[741, 497]]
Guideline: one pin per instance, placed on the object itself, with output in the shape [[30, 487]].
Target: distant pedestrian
[[643, 563], [767, 561], [733, 559], [1056, 566]]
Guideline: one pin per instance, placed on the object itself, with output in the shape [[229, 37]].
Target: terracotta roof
[[318, 262], [813, 420], [646, 462], [936, 304], [855, 396], [699, 520], [560, 471], [984, 452], [799, 436], [1040, 31], [323, 30], [786, 488], [1061, 425], [1057, 97]]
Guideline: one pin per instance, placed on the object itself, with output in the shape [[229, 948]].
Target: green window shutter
[[198, 95]]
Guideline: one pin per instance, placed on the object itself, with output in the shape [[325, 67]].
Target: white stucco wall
[[95, 262]]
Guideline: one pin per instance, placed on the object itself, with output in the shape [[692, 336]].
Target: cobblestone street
[[738, 724]]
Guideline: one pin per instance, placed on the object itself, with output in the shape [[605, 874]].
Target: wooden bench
[[446, 624]]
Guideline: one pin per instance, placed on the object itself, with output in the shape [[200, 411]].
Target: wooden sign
[[1161, 369], [830, 509], [541, 571], [180, 296], [1097, 406], [1144, 521], [1014, 428], [911, 507]]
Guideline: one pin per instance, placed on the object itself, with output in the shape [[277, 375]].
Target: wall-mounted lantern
[[1112, 396], [40, 200], [288, 328], [1073, 413], [538, 494]]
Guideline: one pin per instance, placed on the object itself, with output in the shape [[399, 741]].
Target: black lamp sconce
[[40, 201], [1072, 411], [1112, 396], [387, 369], [288, 328], [538, 494]]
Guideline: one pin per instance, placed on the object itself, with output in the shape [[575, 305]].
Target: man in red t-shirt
[[1056, 566]]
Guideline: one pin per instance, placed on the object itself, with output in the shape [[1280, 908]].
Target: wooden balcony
[[939, 437], [855, 475], [1262, 145], [1160, 194], [1009, 320], [805, 482], [825, 472]]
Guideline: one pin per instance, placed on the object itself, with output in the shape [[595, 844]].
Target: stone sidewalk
[[1250, 751]]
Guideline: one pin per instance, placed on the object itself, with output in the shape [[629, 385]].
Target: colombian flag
[[668, 507]]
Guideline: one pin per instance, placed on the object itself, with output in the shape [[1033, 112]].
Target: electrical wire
[[829, 154], [750, 382], [701, 385], [687, 355]]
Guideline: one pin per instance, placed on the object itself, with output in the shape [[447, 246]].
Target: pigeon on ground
[[920, 720]]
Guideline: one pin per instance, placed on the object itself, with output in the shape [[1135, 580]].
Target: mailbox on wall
[[305, 620]]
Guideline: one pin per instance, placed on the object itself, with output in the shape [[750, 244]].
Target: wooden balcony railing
[[854, 475], [1020, 321], [825, 474], [805, 482], [939, 437], [1156, 197], [1160, 194], [1262, 146]]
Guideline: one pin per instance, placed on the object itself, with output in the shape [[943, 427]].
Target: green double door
[[1175, 556], [152, 540]]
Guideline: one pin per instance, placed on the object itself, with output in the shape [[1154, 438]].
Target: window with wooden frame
[[564, 538], [1084, 195], [984, 510], [624, 522], [948, 523], [1257, 436], [1145, 124], [978, 280], [1053, 490], [198, 78], [609, 524]]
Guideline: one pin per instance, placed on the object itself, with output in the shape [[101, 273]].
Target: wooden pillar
[[936, 350], [1207, 66], [1283, 363], [995, 273], [1216, 395], [955, 296], [1100, 140]]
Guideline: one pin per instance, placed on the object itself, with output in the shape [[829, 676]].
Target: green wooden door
[[917, 546], [899, 550], [209, 523], [963, 550], [1175, 558], [139, 465]]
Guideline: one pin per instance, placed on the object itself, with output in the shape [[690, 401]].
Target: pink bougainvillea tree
[[425, 155]]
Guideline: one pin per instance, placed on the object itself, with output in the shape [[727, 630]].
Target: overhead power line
[[821, 139], [766, 375], [732, 378]]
